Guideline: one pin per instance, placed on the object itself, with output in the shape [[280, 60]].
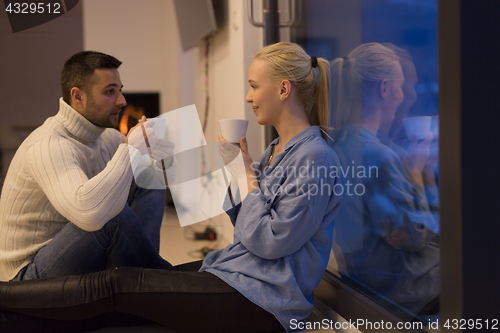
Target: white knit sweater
[[66, 170]]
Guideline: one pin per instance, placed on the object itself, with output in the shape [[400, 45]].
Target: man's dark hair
[[78, 70]]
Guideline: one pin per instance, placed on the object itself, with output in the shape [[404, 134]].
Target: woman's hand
[[418, 152], [240, 168], [229, 151], [432, 164]]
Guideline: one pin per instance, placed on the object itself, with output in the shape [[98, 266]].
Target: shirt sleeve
[[88, 203], [231, 209], [281, 220]]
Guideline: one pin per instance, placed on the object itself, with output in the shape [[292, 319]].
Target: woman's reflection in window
[[385, 233]]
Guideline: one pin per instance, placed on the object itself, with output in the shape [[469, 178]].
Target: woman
[[384, 234], [264, 281]]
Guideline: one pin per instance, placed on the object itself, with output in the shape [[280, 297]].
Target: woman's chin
[[261, 121], [264, 120]]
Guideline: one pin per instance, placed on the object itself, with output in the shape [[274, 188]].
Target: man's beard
[[101, 119]]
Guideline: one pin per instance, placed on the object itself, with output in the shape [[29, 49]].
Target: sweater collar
[[77, 124]]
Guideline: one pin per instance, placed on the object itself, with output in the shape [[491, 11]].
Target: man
[[69, 204]]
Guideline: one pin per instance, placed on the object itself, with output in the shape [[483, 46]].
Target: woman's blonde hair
[[405, 59], [354, 77], [288, 61]]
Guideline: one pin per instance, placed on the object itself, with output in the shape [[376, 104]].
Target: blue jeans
[[130, 239]]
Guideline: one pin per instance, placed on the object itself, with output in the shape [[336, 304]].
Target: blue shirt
[[283, 232], [385, 230]]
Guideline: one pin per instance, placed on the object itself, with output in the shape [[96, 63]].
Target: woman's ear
[[383, 88], [285, 89]]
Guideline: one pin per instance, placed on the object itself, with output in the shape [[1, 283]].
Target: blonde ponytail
[[346, 93], [355, 76], [320, 111]]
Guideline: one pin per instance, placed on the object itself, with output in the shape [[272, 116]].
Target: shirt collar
[[306, 133], [355, 130], [77, 124]]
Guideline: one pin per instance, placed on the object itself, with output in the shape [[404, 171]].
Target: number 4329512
[[462, 324], [32, 8]]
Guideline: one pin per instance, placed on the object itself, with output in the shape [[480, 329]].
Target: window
[[384, 108]]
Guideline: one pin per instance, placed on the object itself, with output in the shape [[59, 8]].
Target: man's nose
[[121, 100]]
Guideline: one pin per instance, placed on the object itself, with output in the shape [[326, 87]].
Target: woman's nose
[[248, 99]]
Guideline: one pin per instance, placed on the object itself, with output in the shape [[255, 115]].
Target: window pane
[[383, 56]]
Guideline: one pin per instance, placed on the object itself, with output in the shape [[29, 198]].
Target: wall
[[143, 35], [231, 52], [30, 68]]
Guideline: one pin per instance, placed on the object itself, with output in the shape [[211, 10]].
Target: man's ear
[[383, 88], [78, 98]]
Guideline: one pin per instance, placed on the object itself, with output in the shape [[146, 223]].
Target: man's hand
[[163, 150], [137, 139]]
